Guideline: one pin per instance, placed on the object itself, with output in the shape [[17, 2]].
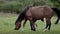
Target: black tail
[[22, 15], [57, 11]]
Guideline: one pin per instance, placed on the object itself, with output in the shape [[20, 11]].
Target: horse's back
[[39, 11]]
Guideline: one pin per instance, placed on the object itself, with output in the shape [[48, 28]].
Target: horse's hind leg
[[48, 24], [35, 25], [57, 21]]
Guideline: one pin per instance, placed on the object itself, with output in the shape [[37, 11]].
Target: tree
[[56, 3]]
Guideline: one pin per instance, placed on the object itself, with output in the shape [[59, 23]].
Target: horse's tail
[[57, 11], [22, 15]]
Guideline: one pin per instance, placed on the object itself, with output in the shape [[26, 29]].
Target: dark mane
[[22, 15]]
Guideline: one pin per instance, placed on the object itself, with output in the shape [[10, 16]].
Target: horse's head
[[20, 18], [17, 25]]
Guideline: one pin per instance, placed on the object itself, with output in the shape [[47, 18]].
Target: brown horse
[[35, 13], [56, 10]]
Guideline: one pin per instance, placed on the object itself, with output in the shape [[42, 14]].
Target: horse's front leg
[[24, 23], [32, 24]]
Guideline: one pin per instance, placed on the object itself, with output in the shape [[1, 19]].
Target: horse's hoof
[[33, 29], [16, 29], [56, 23], [44, 30]]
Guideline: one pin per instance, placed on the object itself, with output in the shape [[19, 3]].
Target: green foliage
[[18, 5], [11, 6], [56, 3]]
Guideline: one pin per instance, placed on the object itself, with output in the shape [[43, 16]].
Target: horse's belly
[[37, 17]]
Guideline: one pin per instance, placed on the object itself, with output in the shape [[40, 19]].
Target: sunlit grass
[[7, 26]]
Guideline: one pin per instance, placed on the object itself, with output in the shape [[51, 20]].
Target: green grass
[[7, 22]]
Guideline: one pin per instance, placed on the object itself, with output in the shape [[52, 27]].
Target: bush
[[15, 6], [11, 6]]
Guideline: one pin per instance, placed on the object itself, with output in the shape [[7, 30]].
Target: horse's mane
[[22, 15]]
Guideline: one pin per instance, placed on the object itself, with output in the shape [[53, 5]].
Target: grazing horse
[[57, 11], [35, 13]]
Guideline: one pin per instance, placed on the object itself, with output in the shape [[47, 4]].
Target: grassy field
[[7, 22]]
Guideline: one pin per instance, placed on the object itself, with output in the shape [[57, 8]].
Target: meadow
[[7, 25]]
